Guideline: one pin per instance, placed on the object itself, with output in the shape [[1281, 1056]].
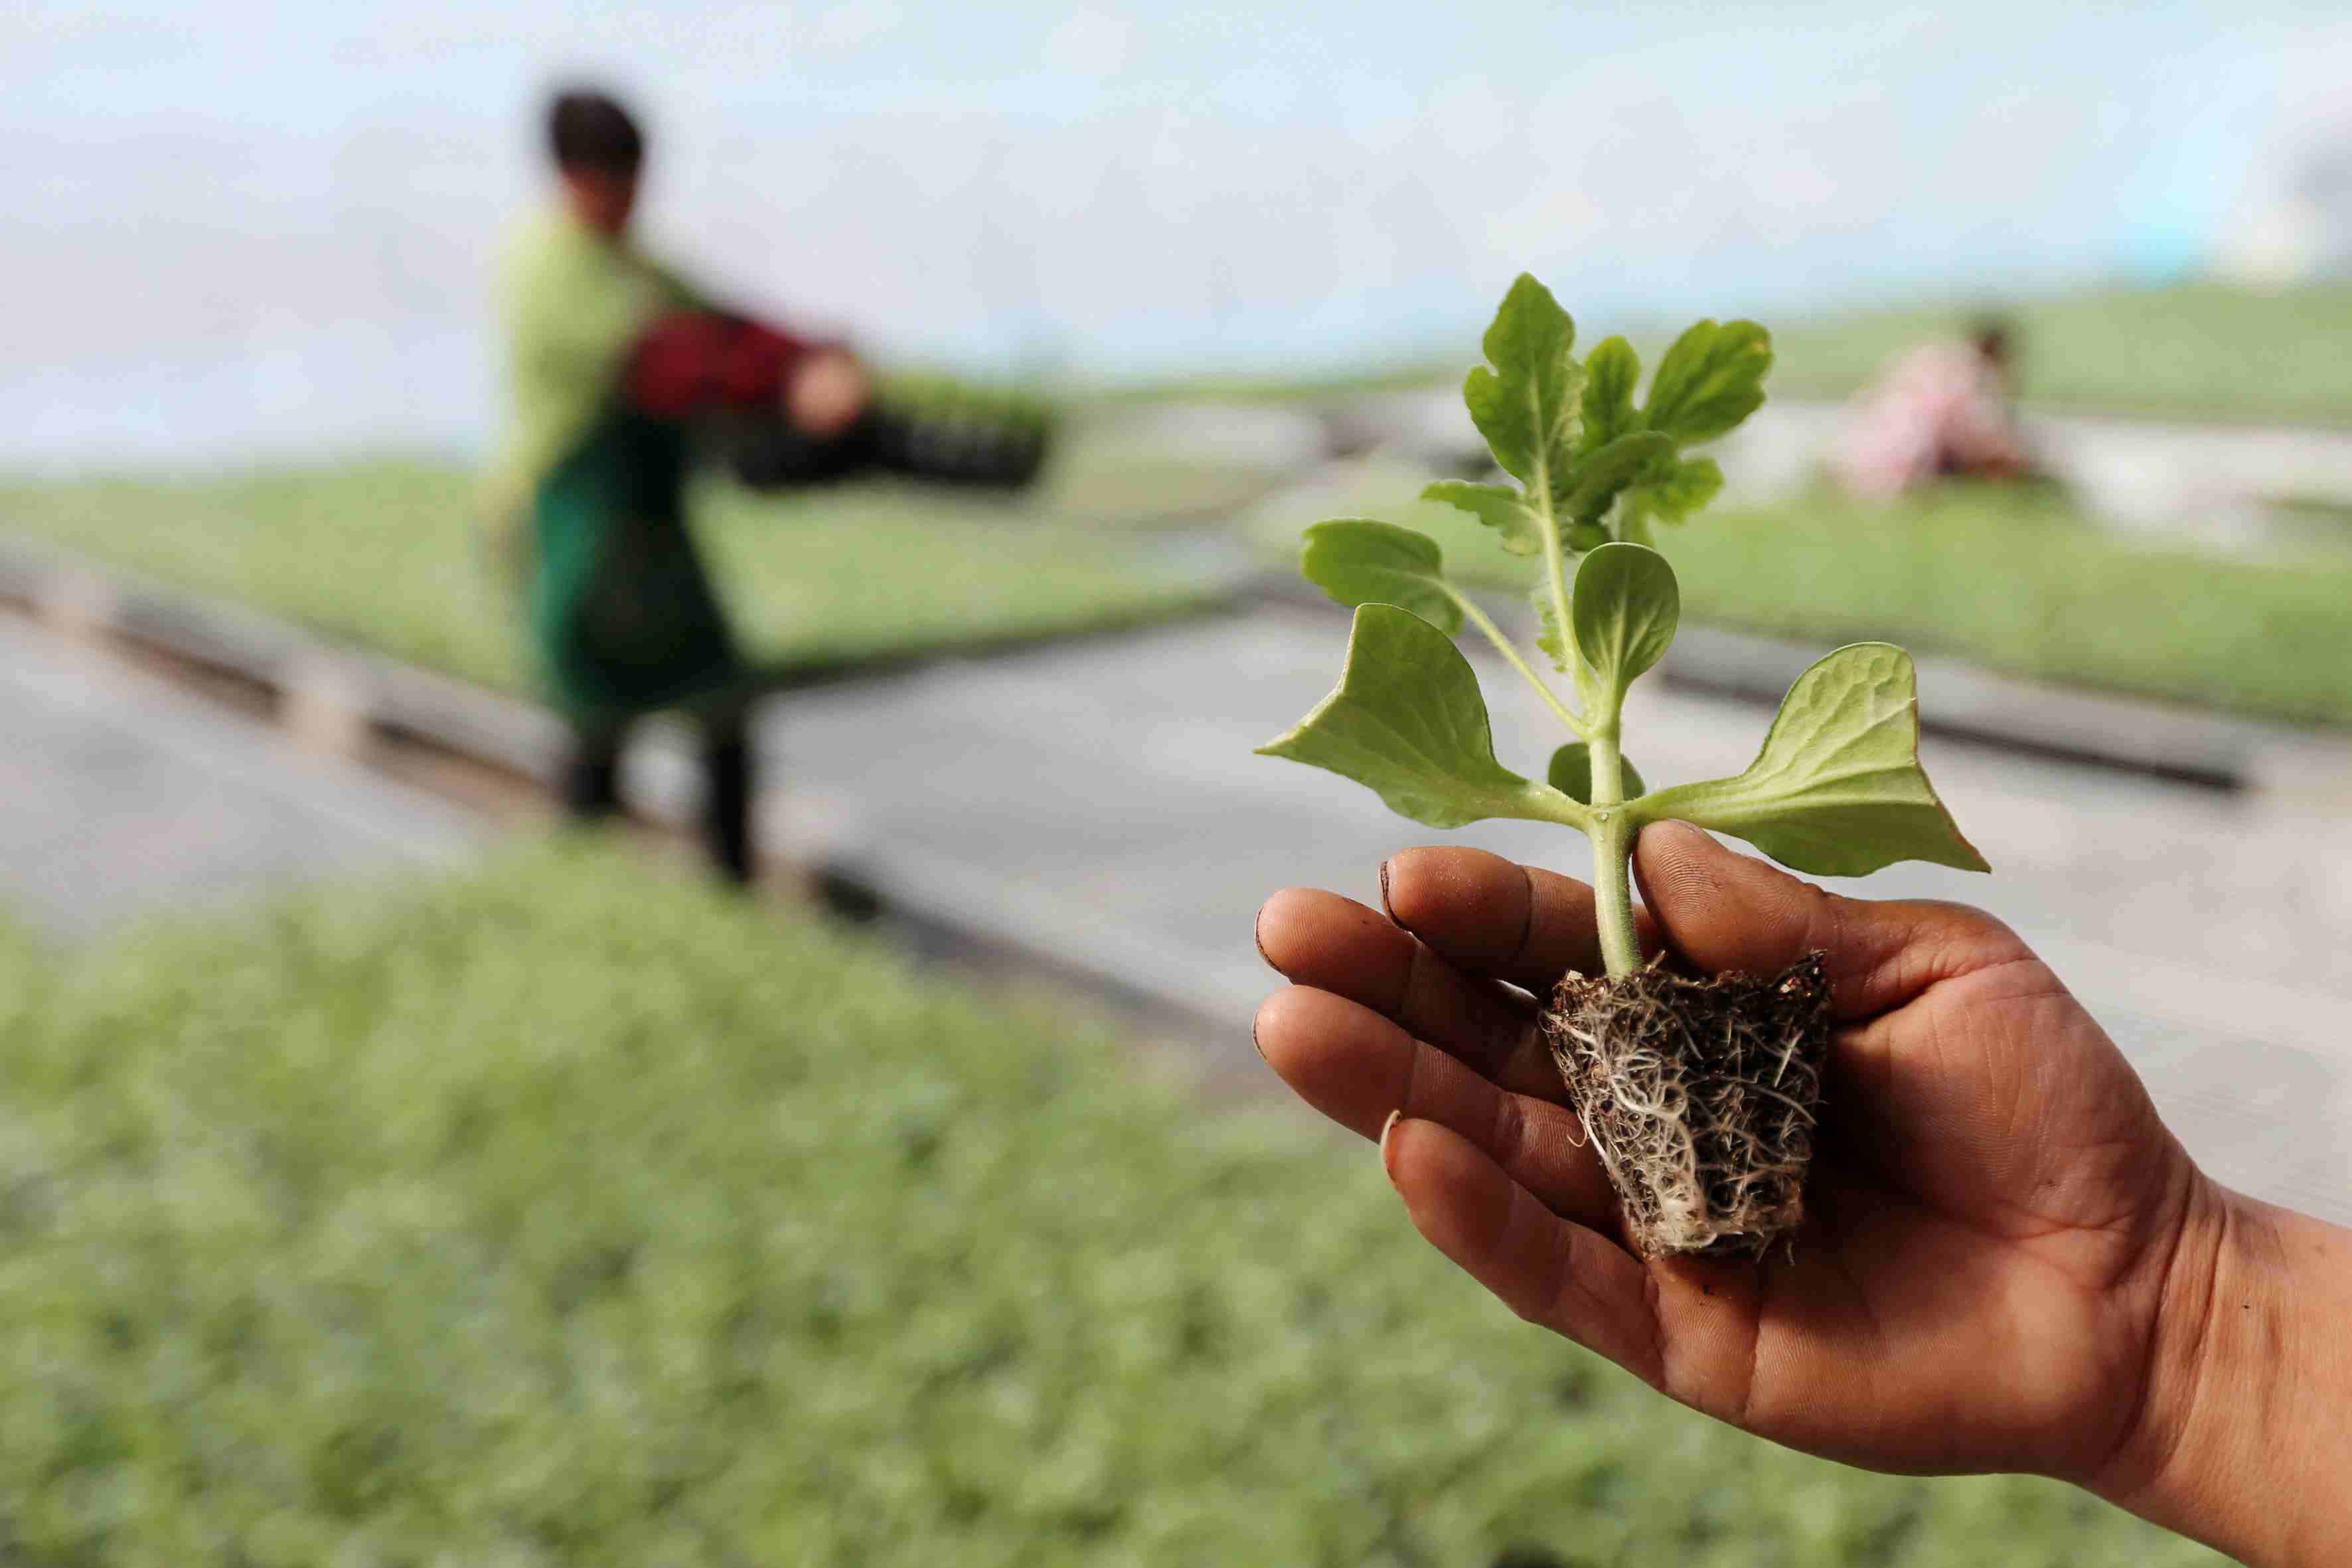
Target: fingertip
[[1493, 916], [1278, 1020], [1287, 924], [1271, 1029], [1339, 1056], [1414, 884], [1718, 909], [1670, 854], [1674, 834], [1673, 865], [1449, 1184], [1277, 911]]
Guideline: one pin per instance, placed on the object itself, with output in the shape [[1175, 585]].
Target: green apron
[[588, 495], [622, 614]]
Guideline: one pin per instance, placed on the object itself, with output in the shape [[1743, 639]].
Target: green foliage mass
[[390, 556], [2013, 581], [2192, 350], [569, 1213], [1837, 789]]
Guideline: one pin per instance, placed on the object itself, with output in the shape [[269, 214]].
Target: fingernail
[[1386, 1127], [1384, 891], [1255, 926], [1254, 1044]]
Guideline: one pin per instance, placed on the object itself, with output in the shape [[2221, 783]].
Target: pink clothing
[[1941, 409]]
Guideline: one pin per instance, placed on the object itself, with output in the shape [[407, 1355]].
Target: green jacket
[[589, 494]]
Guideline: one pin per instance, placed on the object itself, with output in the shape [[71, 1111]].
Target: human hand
[[2007, 1260], [825, 393]]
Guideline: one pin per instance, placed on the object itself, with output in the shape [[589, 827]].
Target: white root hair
[[1698, 1096]]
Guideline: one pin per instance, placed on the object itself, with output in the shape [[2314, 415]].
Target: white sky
[[1115, 188]]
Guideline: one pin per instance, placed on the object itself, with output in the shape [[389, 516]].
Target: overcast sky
[[204, 191]]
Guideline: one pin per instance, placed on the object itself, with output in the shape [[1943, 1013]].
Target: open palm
[[1994, 1202]]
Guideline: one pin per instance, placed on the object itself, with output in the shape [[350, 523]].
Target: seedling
[[1698, 1093]]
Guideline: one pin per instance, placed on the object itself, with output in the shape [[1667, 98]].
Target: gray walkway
[[1102, 805], [119, 795]]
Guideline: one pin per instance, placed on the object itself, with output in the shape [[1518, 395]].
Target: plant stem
[[1612, 892], [1612, 850], [1494, 634], [1612, 834], [1556, 569]]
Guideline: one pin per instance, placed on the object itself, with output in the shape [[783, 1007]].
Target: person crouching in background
[[609, 355], [1941, 411]]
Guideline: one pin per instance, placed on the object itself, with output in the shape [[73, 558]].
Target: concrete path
[[119, 795], [1102, 806]]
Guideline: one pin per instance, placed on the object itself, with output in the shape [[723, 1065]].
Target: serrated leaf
[[1525, 405], [1599, 477], [1499, 506], [1687, 484], [1407, 721], [1358, 561], [1572, 773], [1709, 380], [1624, 612], [1610, 372], [1837, 790]]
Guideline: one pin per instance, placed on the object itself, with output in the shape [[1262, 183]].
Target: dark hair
[[1993, 337], [589, 130]]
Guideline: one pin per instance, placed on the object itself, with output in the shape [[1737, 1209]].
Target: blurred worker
[[1942, 410], [608, 354]]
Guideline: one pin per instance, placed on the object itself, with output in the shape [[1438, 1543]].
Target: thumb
[[1720, 909]]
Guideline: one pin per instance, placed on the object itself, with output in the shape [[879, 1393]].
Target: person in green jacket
[[610, 356]]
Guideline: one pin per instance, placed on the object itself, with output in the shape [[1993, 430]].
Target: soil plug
[[1699, 1092]]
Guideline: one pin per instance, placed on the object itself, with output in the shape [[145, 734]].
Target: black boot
[[727, 815], [592, 781]]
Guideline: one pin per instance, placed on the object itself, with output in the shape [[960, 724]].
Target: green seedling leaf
[[1601, 476], [1626, 607], [1837, 790], [1407, 721], [1572, 773], [1525, 405], [1681, 487], [1610, 374], [1360, 562], [1709, 380], [1499, 506]]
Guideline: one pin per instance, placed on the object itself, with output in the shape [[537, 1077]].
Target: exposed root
[[1698, 1096]]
